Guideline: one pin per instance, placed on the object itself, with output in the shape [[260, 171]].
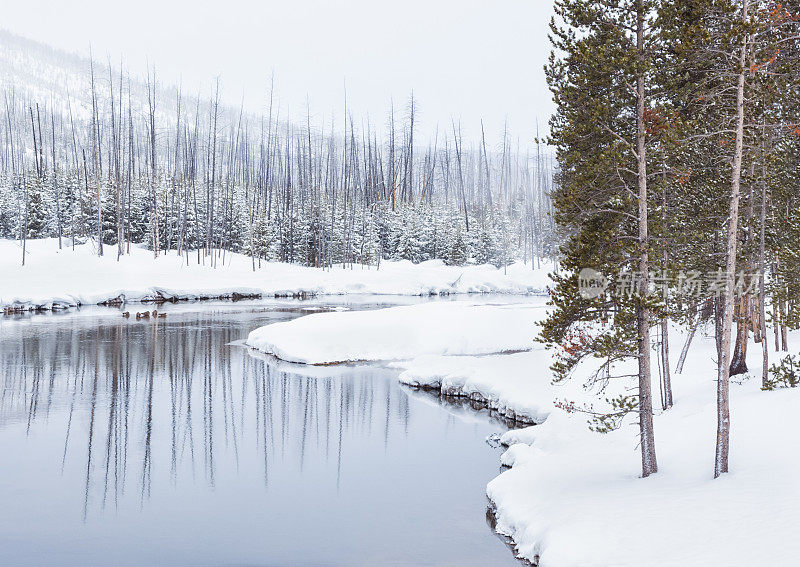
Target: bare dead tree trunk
[[486, 167], [56, 192], [24, 232], [457, 141], [151, 103], [115, 152], [685, 350], [95, 151], [35, 147]]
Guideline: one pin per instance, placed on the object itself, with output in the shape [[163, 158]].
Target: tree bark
[[723, 362], [685, 350], [776, 315], [647, 441], [762, 313], [739, 360], [784, 327]]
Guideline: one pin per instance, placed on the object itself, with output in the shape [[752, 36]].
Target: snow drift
[[396, 333]]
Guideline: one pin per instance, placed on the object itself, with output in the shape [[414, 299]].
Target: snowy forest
[[123, 160], [678, 144], [519, 287]]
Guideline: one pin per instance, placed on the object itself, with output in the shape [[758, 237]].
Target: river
[[166, 442]]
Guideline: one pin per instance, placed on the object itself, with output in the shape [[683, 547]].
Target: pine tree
[[723, 77], [601, 87], [458, 254], [486, 247], [109, 216], [37, 212]]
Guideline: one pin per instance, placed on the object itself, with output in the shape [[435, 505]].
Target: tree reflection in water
[[177, 447], [134, 395]]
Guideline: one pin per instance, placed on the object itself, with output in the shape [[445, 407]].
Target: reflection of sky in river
[[131, 443]]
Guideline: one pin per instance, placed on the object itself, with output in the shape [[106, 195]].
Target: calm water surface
[[161, 443]]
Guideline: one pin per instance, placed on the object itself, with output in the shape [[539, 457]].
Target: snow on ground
[[515, 385], [398, 333], [67, 277], [573, 497]]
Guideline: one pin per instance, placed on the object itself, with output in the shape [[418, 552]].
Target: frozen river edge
[[560, 475]]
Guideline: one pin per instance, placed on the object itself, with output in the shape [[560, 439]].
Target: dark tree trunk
[[739, 360]]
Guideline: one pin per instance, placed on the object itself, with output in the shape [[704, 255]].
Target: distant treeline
[[198, 176]]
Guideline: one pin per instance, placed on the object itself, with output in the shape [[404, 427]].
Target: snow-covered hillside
[[33, 72]]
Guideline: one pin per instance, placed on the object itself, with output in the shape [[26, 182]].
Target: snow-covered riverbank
[[401, 333], [514, 384], [67, 277], [575, 497]]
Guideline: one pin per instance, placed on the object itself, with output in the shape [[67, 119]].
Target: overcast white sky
[[467, 59]]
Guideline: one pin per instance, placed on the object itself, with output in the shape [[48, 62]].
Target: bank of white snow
[[515, 385], [573, 497], [401, 333], [79, 277]]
